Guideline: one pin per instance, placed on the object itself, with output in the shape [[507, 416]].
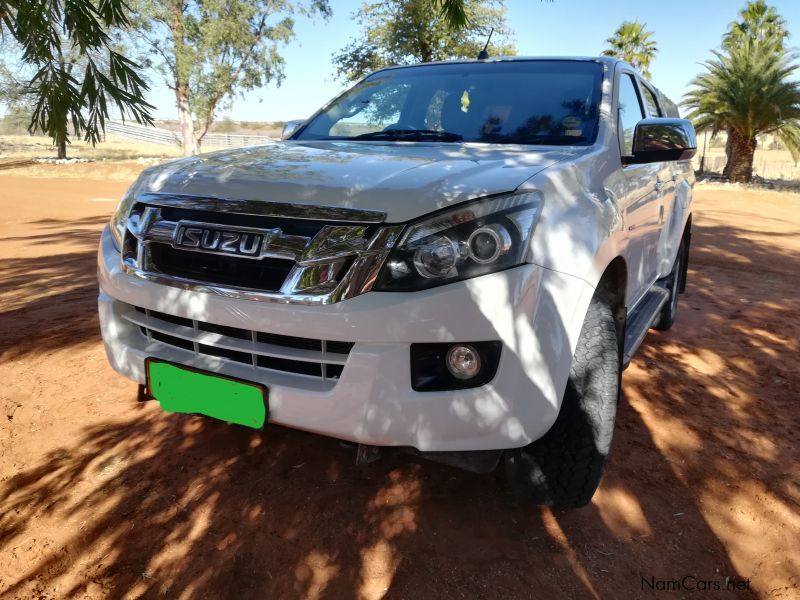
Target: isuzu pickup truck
[[453, 258]]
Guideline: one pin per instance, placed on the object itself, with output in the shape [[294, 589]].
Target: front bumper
[[532, 310]]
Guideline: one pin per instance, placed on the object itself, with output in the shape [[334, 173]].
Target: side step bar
[[641, 319]]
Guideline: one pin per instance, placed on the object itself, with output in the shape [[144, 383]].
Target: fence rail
[[155, 135], [769, 164]]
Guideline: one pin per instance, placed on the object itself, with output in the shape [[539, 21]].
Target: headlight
[[120, 218], [467, 241]]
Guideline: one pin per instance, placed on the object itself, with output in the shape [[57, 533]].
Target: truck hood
[[404, 180]]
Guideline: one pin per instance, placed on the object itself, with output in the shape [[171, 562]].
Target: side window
[[630, 113], [652, 103]]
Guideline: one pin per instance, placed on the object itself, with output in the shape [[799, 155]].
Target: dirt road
[[101, 496]]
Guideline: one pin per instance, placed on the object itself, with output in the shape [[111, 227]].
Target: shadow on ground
[[169, 505], [54, 294]]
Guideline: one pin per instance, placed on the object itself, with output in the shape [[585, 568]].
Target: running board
[[641, 319]]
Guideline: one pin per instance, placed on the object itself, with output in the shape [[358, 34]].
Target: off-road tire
[[674, 284], [564, 467]]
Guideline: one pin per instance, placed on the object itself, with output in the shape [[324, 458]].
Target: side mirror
[[662, 139], [290, 127]]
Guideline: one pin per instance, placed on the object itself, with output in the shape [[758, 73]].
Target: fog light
[[453, 366], [463, 362]]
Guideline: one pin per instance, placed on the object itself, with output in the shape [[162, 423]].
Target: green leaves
[[77, 74], [454, 12], [398, 32], [633, 44]]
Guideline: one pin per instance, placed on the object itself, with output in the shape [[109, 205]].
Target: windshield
[[513, 102]]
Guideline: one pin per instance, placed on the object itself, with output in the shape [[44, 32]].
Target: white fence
[[155, 135]]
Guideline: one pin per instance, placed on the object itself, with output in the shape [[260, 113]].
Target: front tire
[[564, 467]]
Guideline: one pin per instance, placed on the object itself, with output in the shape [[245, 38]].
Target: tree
[[455, 12], [210, 50], [749, 89], [633, 44], [51, 34], [759, 24], [401, 32]]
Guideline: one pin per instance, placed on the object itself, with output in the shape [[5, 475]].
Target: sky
[[685, 30]]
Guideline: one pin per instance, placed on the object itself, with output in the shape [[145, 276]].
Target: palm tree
[[760, 24], [748, 89], [633, 44]]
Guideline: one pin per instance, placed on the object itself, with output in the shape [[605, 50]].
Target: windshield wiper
[[411, 135]]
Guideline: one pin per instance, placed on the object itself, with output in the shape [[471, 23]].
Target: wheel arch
[[613, 284], [686, 238]]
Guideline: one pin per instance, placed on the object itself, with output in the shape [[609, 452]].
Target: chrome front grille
[[256, 250], [324, 359]]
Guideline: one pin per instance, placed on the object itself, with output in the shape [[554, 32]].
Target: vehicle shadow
[[703, 467]]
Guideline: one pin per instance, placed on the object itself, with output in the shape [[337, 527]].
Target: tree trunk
[[62, 147], [188, 141], [726, 172], [743, 150]]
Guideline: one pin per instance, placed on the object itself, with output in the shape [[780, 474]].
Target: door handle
[[658, 186]]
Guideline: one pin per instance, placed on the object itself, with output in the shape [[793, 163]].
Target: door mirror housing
[[661, 139], [290, 127]]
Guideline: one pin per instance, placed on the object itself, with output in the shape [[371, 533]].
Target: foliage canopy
[[51, 34], [208, 51], [632, 43], [401, 32]]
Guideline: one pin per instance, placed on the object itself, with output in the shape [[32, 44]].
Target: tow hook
[[143, 394]]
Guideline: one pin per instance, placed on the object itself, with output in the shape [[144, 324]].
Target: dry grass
[[108, 170], [114, 148]]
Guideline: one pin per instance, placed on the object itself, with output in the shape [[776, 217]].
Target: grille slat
[[265, 274], [301, 356]]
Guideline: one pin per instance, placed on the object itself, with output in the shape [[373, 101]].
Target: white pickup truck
[[454, 258]]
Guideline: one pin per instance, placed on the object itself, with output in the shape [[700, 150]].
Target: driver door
[[641, 201]]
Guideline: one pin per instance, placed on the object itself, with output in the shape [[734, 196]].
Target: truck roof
[[609, 60]]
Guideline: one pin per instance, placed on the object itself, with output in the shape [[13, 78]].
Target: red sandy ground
[[101, 496]]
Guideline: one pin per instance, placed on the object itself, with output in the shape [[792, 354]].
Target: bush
[[16, 121], [226, 125]]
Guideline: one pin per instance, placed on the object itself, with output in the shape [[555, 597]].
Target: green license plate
[[186, 390]]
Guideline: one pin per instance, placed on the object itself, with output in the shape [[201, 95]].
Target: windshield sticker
[[571, 122], [465, 101]]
